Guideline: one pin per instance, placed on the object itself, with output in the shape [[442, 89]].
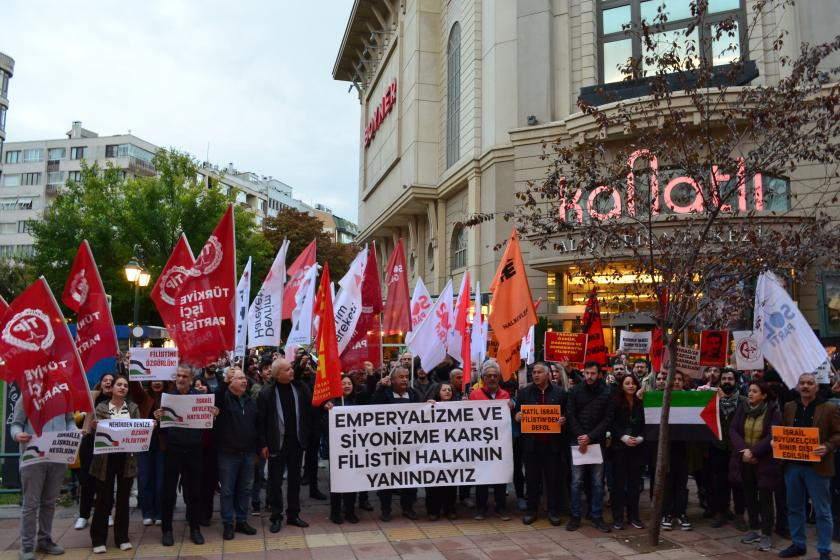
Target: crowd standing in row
[[266, 431]]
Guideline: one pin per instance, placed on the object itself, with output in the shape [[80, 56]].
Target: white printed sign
[[153, 364], [52, 447], [409, 445], [122, 435], [635, 342], [747, 351], [688, 361], [187, 411]]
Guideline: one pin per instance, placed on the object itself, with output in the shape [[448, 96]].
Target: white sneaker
[[158, 522], [148, 522], [102, 549], [110, 521], [81, 523], [126, 546]]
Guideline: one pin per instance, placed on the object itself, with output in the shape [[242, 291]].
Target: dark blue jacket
[[236, 424]]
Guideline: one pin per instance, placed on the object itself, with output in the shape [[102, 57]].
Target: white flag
[[348, 302], [421, 304], [429, 339], [747, 351], [301, 333], [526, 351], [453, 341], [478, 338], [267, 308], [243, 295], [784, 336]]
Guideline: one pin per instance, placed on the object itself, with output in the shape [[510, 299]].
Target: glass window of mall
[[453, 96], [619, 29]]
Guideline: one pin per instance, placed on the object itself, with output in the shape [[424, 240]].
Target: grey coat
[[20, 423]]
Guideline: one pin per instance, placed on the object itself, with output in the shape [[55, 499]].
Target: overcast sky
[[253, 79]]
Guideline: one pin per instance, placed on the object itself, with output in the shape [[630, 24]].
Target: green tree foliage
[[13, 279], [114, 214]]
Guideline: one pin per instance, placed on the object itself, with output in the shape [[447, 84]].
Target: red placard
[[563, 346], [714, 348]]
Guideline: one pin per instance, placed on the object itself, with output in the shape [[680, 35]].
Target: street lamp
[[136, 273]]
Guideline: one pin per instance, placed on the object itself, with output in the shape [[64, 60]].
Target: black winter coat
[[236, 425], [626, 422], [530, 395], [588, 412], [268, 433]]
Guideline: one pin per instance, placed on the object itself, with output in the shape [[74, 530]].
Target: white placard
[[410, 445], [187, 411], [153, 364], [52, 447], [688, 361], [747, 351], [593, 455], [635, 342], [121, 435]]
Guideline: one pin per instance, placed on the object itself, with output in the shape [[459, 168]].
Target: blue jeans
[[150, 482], [798, 479], [596, 472], [236, 473]]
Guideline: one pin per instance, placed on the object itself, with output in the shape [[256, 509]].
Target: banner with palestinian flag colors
[[694, 415]]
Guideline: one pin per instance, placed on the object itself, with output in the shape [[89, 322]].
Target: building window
[[8, 227], [17, 250], [4, 84], [16, 203], [2, 117], [13, 156], [459, 247], [77, 152], [75, 176], [24, 226], [11, 180], [453, 96], [55, 154], [34, 155], [55, 178], [617, 44], [30, 179]]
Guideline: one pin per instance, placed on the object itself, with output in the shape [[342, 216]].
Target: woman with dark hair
[[87, 484], [113, 469], [627, 452], [752, 463], [441, 498], [200, 385], [343, 504]]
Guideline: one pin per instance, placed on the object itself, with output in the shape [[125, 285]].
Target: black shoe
[[792, 551], [573, 524], [599, 524], [336, 518], [410, 514], [167, 538], [196, 536], [275, 526], [719, 521], [554, 519], [297, 522], [316, 494], [618, 525], [351, 517], [204, 522], [529, 518], [245, 529], [227, 532], [365, 506], [385, 516], [304, 481]]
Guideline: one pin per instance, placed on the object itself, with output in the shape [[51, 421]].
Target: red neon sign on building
[[389, 99]]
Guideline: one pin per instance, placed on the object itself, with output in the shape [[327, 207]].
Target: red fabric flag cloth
[[174, 274], [328, 375], [3, 308], [656, 350], [205, 300], [41, 357], [512, 310], [295, 275], [396, 318], [459, 338], [365, 344], [84, 293], [596, 349]]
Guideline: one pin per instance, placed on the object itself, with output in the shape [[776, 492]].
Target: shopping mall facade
[[459, 98]]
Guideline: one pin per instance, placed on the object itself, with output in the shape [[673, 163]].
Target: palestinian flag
[[694, 415]]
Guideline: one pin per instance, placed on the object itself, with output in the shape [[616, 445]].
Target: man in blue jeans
[[236, 441], [588, 417], [811, 411]]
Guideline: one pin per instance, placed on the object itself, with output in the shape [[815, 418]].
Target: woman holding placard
[[113, 469], [752, 463], [343, 504], [441, 498]]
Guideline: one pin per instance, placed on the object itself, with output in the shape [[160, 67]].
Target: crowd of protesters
[[267, 440]]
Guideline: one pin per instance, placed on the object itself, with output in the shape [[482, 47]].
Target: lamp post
[[136, 273]]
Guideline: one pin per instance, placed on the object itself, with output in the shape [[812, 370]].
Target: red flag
[[328, 376], [295, 274], [84, 293], [396, 318], [656, 350], [365, 343], [3, 308], [205, 300], [596, 350], [171, 277], [512, 310], [38, 350], [460, 335]]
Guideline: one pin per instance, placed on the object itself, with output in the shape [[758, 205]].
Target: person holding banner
[[442, 498], [40, 485], [87, 484], [110, 470], [811, 410], [343, 505]]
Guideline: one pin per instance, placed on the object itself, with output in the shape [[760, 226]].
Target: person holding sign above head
[[627, 452], [113, 469], [543, 451], [813, 477]]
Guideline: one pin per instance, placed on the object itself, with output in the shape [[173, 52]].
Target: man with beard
[[720, 452]]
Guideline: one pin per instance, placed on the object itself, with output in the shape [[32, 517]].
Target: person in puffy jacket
[[627, 452]]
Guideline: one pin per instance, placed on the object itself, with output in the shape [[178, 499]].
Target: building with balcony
[[459, 97], [7, 70], [339, 229]]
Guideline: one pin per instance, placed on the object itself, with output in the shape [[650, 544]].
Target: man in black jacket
[[588, 418], [542, 452], [284, 416], [236, 441]]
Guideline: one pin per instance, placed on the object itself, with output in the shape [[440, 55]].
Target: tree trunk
[[663, 453]]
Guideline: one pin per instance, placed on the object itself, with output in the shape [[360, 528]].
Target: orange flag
[[512, 310], [328, 376]]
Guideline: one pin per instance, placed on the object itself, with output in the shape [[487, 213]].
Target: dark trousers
[[344, 502], [259, 483], [310, 465], [407, 498], [287, 459], [209, 483], [676, 483], [720, 489], [482, 492], [628, 466], [519, 476], [105, 501], [441, 499], [186, 465], [542, 471], [759, 501], [87, 484]]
